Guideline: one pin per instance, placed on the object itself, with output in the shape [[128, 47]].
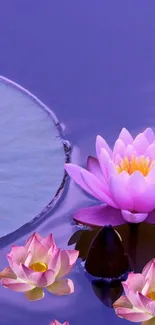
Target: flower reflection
[[55, 322], [103, 253], [123, 178], [138, 304], [138, 241], [37, 265], [107, 293], [82, 240], [106, 256]]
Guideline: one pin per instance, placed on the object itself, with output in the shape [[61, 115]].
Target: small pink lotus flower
[[37, 265], [123, 178], [55, 322], [138, 304]]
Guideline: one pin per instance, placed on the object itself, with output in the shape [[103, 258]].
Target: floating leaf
[[75, 237], [84, 242], [32, 157]]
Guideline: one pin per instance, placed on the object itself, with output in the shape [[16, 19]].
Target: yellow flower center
[[39, 267], [141, 164], [151, 295]]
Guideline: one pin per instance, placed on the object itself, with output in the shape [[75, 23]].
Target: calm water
[[93, 63]]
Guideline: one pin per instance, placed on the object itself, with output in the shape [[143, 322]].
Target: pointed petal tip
[[149, 129], [55, 322], [124, 129], [30, 239], [74, 254], [98, 137]]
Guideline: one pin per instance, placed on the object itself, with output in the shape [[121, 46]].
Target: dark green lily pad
[[32, 157]]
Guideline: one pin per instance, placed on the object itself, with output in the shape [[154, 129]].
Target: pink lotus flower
[[139, 303], [123, 178], [37, 265], [55, 322]]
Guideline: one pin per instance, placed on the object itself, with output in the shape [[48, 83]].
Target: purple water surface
[[93, 63]]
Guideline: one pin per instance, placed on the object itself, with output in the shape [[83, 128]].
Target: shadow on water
[[107, 294], [137, 240], [108, 254]]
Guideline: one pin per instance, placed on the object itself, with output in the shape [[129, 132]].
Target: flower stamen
[[141, 164], [39, 267], [151, 295]]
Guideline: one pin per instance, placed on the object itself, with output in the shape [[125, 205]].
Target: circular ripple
[[32, 156]]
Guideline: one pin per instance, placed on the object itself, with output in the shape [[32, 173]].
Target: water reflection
[[139, 243], [107, 293], [109, 253], [106, 257], [82, 240]]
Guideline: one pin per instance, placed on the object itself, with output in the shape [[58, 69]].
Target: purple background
[[93, 63]]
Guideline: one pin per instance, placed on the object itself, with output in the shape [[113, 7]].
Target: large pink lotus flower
[[138, 304], [39, 264], [123, 178], [55, 322]]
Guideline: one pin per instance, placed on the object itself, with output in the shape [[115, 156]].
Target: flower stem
[[133, 241]]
